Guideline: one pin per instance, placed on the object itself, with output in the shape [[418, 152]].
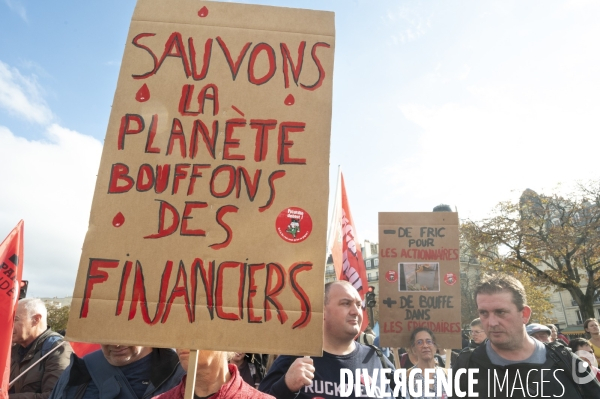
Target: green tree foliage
[[548, 242], [58, 316], [472, 271]]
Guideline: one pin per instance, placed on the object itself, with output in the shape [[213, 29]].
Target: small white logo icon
[[581, 369]]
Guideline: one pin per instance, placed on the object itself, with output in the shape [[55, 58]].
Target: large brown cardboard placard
[[419, 273], [208, 222]]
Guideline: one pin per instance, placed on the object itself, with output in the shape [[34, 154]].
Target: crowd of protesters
[[502, 346]]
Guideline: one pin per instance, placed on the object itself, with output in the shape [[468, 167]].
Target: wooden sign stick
[[396, 358], [190, 383], [448, 357]]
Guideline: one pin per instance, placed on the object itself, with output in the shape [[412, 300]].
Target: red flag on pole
[[11, 263], [345, 248]]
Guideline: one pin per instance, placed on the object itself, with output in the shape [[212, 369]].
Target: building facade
[[370, 252], [58, 302]]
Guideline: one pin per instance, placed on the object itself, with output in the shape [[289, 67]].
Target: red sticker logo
[[391, 276], [294, 224], [450, 279]]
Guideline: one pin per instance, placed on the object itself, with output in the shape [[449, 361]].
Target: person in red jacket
[[215, 379]]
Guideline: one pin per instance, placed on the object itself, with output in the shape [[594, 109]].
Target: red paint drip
[[203, 12], [236, 109], [289, 100], [119, 219], [143, 94]]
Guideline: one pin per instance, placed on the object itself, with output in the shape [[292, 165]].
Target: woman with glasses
[[423, 346]]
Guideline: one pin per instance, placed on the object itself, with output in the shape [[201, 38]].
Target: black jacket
[[527, 380]]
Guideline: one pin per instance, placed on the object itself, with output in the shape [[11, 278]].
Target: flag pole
[[11, 259]]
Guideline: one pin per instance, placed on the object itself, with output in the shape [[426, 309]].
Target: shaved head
[[330, 284]]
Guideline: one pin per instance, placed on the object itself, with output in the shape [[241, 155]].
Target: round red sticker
[[391, 276], [450, 278], [293, 224]]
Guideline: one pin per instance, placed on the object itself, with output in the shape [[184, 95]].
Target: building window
[[579, 319], [598, 309], [376, 261], [373, 248], [368, 264]]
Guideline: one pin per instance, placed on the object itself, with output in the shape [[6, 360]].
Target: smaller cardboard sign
[[419, 277]]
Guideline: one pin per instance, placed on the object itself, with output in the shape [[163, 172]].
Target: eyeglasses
[[475, 332], [421, 342]]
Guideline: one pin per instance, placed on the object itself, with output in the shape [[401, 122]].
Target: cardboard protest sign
[[208, 222], [419, 272]]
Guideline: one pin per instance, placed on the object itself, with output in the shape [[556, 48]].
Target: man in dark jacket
[[512, 364], [33, 339], [293, 377], [120, 372]]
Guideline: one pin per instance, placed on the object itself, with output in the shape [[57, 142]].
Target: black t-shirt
[[23, 351], [249, 374], [326, 383]]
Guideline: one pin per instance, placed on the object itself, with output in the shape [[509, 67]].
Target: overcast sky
[[465, 103]]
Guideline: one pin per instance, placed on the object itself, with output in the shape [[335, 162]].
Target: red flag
[[11, 263], [345, 249]]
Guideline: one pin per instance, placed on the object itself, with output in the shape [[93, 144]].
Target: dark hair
[[498, 283], [585, 325], [413, 335], [588, 321], [577, 343]]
